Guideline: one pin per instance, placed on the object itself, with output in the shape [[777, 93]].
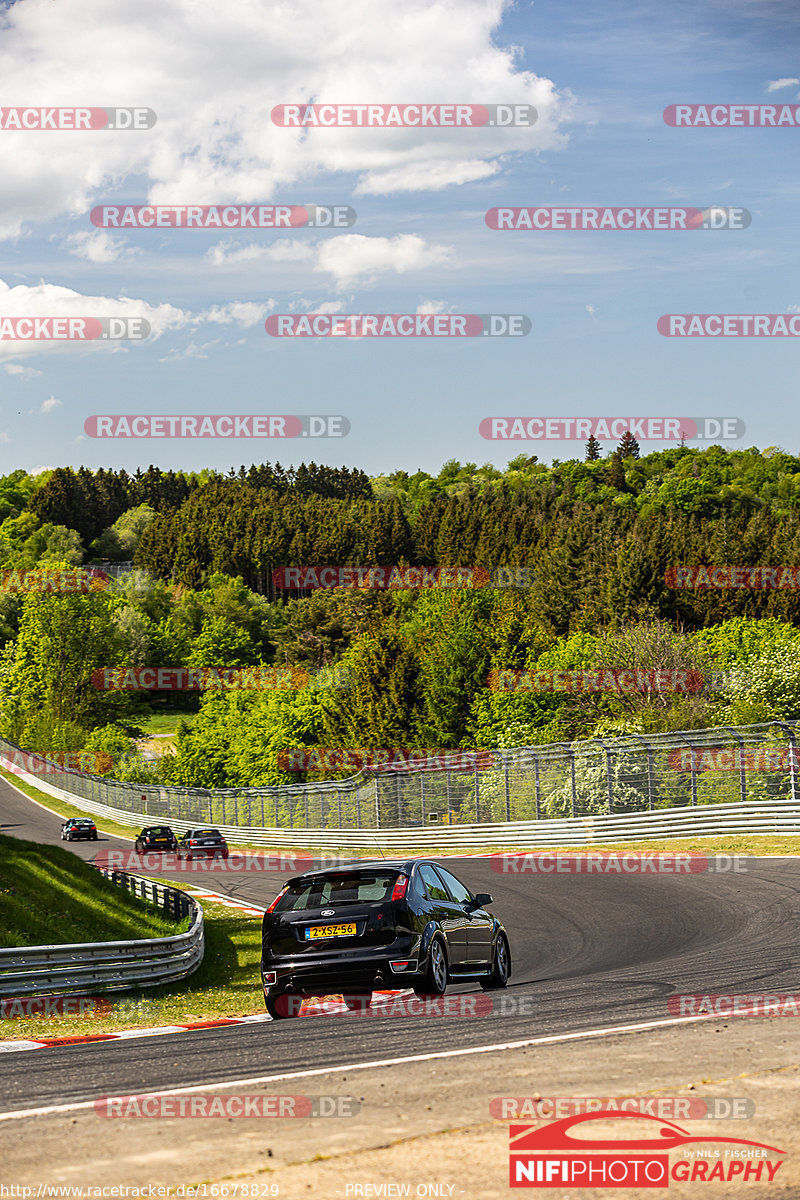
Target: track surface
[[588, 951]]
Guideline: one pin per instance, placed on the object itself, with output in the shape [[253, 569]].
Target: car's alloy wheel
[[435, 978], [501, 966]]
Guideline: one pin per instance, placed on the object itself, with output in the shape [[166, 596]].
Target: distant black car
[[202, 843], [156, 837], [78, 827], [389, 924]]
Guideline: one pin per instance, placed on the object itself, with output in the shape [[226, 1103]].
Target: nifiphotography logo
[[554, 1156]]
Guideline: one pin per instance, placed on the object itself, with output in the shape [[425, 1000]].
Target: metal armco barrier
[[685, 783], [110, 966]]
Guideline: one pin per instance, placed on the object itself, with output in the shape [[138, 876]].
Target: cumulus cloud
[[776, 85], [51, 300], [20, 372], [98, 247], [435, 306], [239, 312], [218, 144], [353, 257], [50, 404]]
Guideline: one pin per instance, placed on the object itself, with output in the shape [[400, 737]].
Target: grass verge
[[49, 896], [226, 984]]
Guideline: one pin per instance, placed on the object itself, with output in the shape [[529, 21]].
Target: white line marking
[[252, 1080]]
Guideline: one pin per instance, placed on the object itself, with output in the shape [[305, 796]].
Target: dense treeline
[[600, 535]]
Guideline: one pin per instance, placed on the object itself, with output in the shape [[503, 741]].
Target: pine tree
[[593, 449], [628, 446]]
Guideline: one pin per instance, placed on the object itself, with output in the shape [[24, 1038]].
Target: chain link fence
[[632, 774]]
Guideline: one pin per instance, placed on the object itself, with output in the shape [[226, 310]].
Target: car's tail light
[[400, 885], [277, 898]]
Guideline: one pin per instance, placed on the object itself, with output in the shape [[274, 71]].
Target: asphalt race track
[[588, 951]]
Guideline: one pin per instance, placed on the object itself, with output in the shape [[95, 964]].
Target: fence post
[[609, 785], [650, 770], [742, 771], [572, 778], [505, 779], [399, 797], [422, 794], [339, 803], [477, 797], [449, 806], [792, 754]]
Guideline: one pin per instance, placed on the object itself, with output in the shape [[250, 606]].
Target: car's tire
[[501, 965], [436, 976], [283, 1005], [357, 1001], [94, 837]]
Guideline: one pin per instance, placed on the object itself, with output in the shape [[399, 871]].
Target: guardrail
[[110, 966], [685, 783]]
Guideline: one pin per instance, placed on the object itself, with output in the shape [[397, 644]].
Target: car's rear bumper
[[359, 970]]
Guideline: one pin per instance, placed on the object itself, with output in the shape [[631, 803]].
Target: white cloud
[[99, 247], [190, 351], [775, 85], [591, 310], [242, 313], [435, 306], [217, 143], [225, 253], [51, 300], [20, 372], [50, 404], [352, 257], [424, 177]]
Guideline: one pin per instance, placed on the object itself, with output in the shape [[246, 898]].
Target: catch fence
[[612, 777]]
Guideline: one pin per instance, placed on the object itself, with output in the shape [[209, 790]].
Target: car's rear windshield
[[353, 888], [160, 829], [208, 833]]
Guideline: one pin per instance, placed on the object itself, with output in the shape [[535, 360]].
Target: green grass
[[62, 809], [49, 896], [757, 844], [166, 722], [226, 984]]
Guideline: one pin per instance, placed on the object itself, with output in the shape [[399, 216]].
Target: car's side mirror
[[482, 899]]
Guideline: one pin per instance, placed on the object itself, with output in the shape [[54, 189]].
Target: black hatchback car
[[202, 843], [156, 837], [396, 923]]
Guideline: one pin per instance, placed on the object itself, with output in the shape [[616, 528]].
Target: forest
[[602, 540]]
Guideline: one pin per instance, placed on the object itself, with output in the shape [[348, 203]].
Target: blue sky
[[420, 241]]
